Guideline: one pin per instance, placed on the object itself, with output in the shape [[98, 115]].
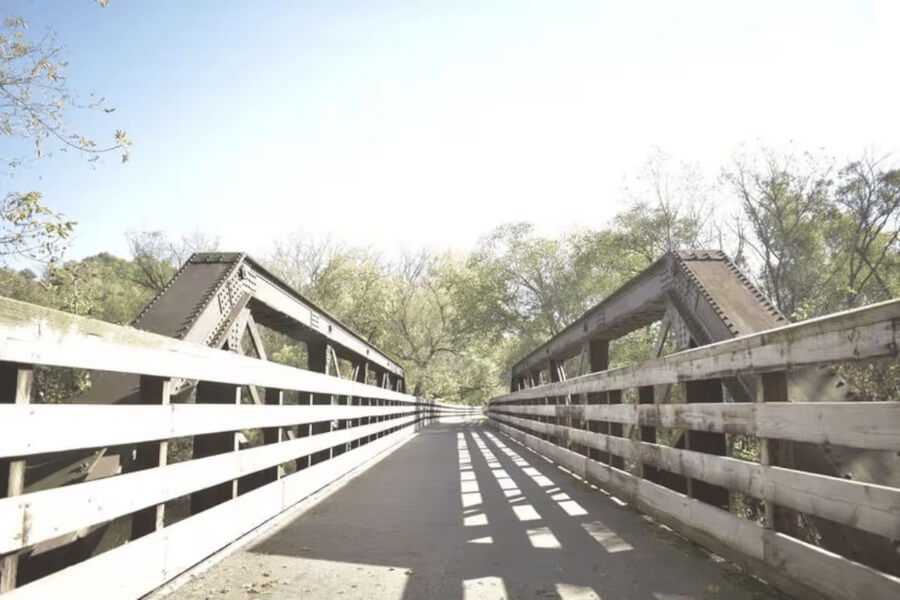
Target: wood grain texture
[[860, 334], [801, 569], [156, 558], [32, 518], [870, 425]]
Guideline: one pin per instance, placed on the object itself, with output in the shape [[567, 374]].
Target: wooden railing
[[760, 362], [232, 489]]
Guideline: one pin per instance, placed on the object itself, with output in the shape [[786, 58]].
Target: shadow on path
[[463, 513]]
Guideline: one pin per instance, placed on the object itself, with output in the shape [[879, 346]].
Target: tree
[[157, 256], [34, 100], [790, 218], [670, 210], [410, 308], [350, 283], [519, 288], [870, 196]]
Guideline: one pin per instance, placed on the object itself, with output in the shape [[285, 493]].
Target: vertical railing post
[[271, 435], [598, 360], [215, 443], [317, 360], [772, 387], [153, 391], [581, 422], [340, 400], [554, 400], [361, 374], [535, 378], [615, 429], [706, 391], [646, 434], [16, 382]]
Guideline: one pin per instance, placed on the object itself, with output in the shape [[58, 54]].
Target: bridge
[[737, 462]]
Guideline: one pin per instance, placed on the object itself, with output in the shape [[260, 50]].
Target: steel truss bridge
[[737, 462]]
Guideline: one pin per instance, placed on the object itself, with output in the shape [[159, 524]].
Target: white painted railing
[[232, 489]]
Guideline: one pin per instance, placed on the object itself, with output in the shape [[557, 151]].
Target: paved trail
[[463, 513]]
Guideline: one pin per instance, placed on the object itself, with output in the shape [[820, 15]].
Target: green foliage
[[30, 229], [34, 100], [35, 96], [815, 243], [785, 201], [101, 286]]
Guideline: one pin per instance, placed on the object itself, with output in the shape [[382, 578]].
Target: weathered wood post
[[772, 387], [709, 391], [598, 360], [555, 376], [317, 360], [360, 374], [271, 435], [154, 390], [210, 444], [16, 383], [647, 434]]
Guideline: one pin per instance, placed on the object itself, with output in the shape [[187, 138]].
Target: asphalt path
[[461, 512]]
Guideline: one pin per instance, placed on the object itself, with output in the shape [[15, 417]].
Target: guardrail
[[760, 361], [232, 489]]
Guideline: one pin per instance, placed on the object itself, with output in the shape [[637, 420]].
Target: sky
[[400, 124]]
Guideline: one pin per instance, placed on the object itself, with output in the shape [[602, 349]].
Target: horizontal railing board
[[31, 334], [462, 407], [138, 567], [773, 555], [869, 425], [864, 333], [42, 428], [869, 507], [32, 518]]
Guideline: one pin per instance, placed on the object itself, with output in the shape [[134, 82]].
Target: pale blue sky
[[406, 123]]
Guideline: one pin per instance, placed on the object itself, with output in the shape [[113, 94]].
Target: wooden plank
[[32, 518], [868, 507], [113, 425], [859, 334], [870, 425], [38, 335], [145, 564], [16, 384], [831, 574], [799, 568]]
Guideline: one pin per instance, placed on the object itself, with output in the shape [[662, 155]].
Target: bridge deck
[[462, 512]]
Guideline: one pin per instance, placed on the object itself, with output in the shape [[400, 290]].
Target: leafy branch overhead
[[34, 96], [31, 230], [35, 101]]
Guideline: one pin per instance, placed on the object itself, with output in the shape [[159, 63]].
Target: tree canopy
[[814, 237]]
